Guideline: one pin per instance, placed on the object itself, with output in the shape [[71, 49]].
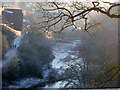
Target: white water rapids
[[61, 50]]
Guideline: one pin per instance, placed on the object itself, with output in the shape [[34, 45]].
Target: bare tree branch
[[76, 12]]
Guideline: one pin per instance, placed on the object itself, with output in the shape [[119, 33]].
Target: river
[[61, 50]]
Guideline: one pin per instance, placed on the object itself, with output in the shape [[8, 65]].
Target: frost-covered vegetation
[[71, 58]]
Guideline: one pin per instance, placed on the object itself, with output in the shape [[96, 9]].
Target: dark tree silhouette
[[66, 15]]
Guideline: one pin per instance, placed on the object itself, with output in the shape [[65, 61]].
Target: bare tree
[[59, 16], [65, 15]]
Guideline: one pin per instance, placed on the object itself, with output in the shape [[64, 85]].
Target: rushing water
[[61, 50], [17, 40], [59, 84]]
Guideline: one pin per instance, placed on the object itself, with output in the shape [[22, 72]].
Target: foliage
[[11, 70], [92, 53], [92, 67], [34, 52]]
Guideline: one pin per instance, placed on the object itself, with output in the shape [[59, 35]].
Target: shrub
[[35, 51]]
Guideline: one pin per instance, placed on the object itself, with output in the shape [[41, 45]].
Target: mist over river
[[44, 47], [61, 49]]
